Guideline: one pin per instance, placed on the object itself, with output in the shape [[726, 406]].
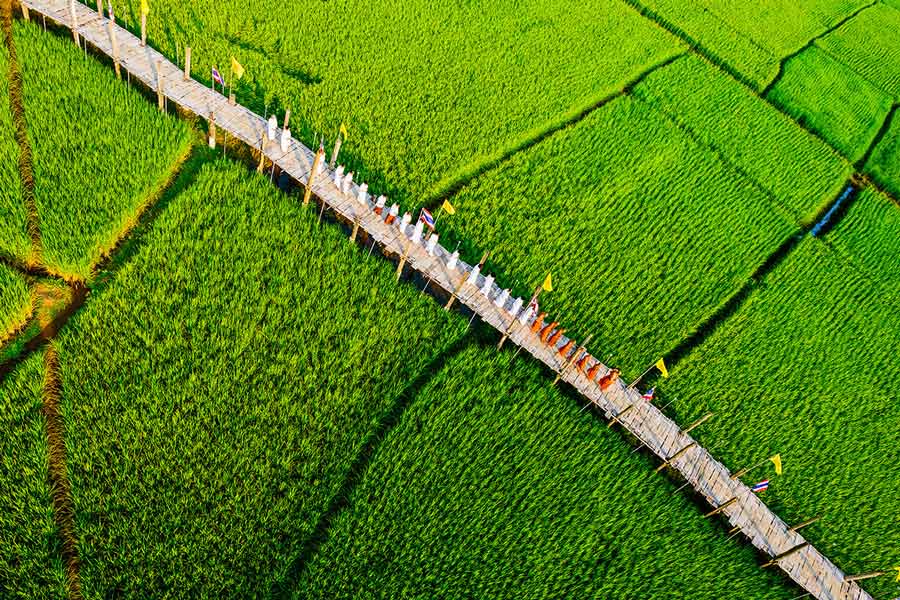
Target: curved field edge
[[495, 484]]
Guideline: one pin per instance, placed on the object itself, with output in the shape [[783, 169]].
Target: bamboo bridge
[[728, 495]]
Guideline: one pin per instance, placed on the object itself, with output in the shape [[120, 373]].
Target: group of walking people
[[587, 365]]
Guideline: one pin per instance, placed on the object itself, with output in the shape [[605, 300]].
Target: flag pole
[[636, 381], [746, 470]]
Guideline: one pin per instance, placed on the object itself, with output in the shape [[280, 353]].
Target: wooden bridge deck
[[808, 567]]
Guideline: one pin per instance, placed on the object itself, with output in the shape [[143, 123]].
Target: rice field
[[797, 171], [832, 100], [30, 564], [242, 383], [15, 302], [216, 396], [868, 234], [751, 38], [429, 90], [101, 152], [884, 163], [868, 44], [803, 369], [636, 203], [494, 485]]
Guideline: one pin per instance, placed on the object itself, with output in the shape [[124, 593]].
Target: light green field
[[218, 392], [884, 163], [30, 564], [751, 38], [429, 90], [832, 100], [15, 302], [870, 235], [494, 485], [798, 171], [101, 151], [803, 369], [869, 45]]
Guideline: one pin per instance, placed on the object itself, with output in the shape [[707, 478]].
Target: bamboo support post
[[355, 229], [100, 8], [669, 460], [317, 162], [114, 40], [616, 418], [287, 118], [786, 553], [212, 130], [74, 23], [698, 422], [143, 29], [232, 98], [862, 576], [803, 524], [262, 154], [746, 470], [572, 359], [25, 14], [187, 63], [720, 508], [160, 96], [402, 262]]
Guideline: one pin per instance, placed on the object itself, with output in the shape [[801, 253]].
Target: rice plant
[[751, 38], [832, 100], [16, 304], [14, 241]]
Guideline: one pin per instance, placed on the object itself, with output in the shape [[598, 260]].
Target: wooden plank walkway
[[741, 507]]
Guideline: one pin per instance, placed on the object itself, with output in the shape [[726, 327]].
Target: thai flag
[[760, 487], [217, 77], [427, 218], [648, 395]]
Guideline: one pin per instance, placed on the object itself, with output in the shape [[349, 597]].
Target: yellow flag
[[898, 573], [548, 283], [448, 208], [344, 131], [236, 68], [777, 460], [145, 8], [661, 365]]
